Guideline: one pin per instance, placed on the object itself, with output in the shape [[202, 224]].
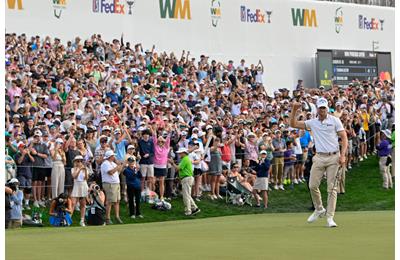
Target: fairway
[[360, 235]]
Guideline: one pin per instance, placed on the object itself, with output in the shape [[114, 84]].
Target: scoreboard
[[348, 65], [342, 66]]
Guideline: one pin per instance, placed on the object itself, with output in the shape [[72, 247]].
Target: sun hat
[[78, 157]]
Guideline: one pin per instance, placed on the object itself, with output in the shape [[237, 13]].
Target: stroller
[[236, 193]]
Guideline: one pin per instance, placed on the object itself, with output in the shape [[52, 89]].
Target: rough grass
[[364, 192]]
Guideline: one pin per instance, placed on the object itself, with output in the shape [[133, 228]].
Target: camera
[[12, 186]]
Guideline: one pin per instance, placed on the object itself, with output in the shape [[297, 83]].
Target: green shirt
[[185, 167], [393, 139]]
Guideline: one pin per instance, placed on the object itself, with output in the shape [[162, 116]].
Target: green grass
[[363, 192], [360, 235]]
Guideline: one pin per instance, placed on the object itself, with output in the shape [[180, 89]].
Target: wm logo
[[11, 4], [175, 9], [304, 17], [60, 2]]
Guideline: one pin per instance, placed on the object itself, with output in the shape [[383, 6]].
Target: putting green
[[360, 235]]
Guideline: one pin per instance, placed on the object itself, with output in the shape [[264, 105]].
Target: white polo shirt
[[325, 133], [107, 166]]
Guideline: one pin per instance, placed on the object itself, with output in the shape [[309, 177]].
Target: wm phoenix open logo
[[338, 19], [59, 6], [215, 12]]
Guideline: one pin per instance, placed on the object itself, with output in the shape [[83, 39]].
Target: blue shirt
[[263, 168], [120, 150], [16, 205], [305, 139], [133, 178], [114, 97]]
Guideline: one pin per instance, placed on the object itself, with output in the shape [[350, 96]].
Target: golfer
[[185, 169], [326, 129]]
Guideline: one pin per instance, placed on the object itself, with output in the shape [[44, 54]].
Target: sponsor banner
[[108, 6], [59, 6], [215, 10], [285, 35], [15, 4], [338, 19], [304, 17], [175, 9], [370, 24], [248, 15]]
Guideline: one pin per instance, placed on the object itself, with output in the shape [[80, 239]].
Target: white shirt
[[297, 147], [194, 156], [81, 176], [325, 133], [107, 166]]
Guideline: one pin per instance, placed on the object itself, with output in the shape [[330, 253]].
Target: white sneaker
[[365, 156], [208, 187], [361, 159], [330, 222], [36, 204], [82, 223], [275, 187], [350, 167], [133, 217], [295, 181], [42, 204], [26, 207], [220, 197], [316, 214], [281, 187]]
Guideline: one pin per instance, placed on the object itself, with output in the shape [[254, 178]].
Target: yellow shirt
[[365, 118]]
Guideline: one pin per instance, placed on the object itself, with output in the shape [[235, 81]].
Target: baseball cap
[[322, 102], [263, 152], [108, 154]]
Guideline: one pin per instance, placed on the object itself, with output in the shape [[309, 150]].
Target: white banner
[[283, 34]]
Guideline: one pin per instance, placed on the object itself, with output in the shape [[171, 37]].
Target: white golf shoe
[[316, 214], [330, 222]]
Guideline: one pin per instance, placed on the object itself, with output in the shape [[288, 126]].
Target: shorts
[[299, 159], [160, 172], [24, 182], [68, 182], [261, 183], [38, 174], [122, 179], [112, 191], [47, 172], [197, 172], [147, 170]]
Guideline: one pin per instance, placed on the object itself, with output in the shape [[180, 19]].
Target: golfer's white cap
[[322, 102]]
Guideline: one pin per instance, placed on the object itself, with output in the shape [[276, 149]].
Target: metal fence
[[389, 3]]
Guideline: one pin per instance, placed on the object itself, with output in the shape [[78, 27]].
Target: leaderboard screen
[[348, 65], [342, 66]]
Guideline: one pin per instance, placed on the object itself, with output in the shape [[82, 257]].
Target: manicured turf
[[360, 235]]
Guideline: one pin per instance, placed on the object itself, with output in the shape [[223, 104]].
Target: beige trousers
[[57, 178], [342, 180], [187, 184], [330, 165]]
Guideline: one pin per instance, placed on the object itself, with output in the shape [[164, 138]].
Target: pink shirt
[[12, 91], [161, 153]]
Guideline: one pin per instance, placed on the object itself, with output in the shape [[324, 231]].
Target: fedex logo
[[257, 16], [370, 24], [104, 6]]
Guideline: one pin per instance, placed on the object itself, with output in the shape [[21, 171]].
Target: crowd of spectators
[[79, 112]]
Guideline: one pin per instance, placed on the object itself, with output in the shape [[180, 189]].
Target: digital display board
[[340, 67]]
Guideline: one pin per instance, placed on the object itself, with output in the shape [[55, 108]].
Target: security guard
[[325, 129]]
